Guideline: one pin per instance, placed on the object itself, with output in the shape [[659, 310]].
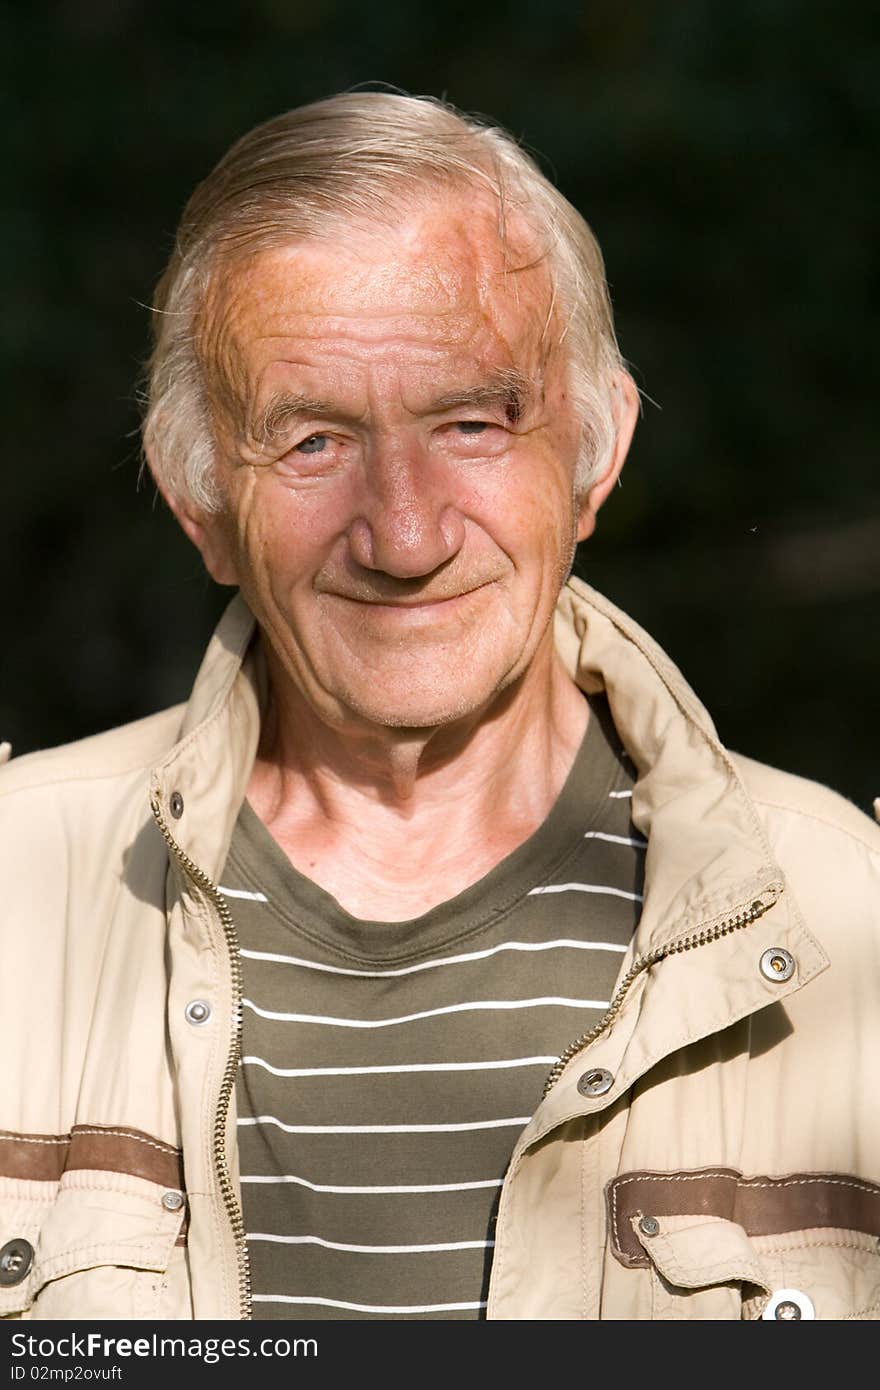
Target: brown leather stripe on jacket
[[763, 1206], [45, 1157]]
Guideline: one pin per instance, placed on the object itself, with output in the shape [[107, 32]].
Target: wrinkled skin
[[397, 454]]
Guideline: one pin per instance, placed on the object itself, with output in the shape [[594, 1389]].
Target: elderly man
[[436, 960]]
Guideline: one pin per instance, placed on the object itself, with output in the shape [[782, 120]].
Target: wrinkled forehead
[[441, 279]]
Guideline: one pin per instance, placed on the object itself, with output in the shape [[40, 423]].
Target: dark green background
[[725, 156]]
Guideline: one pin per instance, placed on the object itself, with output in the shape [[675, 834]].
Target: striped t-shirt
[[388, 1068]]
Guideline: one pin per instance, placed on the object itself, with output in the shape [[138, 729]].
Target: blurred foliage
[[725, 156]]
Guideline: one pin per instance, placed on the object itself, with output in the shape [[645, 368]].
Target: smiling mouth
[[414, 604]]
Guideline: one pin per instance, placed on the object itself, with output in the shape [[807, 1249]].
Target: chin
[[419, 710]]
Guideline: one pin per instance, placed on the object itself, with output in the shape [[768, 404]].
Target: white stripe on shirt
[[585, 888], [371, 1249], [615, 839], [561, 942], [478, 1005], [363, 1191], [382, 1129], [403, 1067], [366, 1307]]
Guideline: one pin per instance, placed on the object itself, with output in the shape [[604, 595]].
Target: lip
[[419, 606], [414, 605]]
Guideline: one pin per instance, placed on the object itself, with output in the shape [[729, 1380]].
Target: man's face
[[397, 450]]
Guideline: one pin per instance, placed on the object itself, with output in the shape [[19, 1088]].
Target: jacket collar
[[199, 786], [707, 851], [708, 860]]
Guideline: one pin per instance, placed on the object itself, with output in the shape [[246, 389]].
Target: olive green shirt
[[388, 1068]]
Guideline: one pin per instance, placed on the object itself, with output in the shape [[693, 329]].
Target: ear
[[625, 404], [206, 530]]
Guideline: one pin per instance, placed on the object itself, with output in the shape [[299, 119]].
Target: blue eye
[[315, 444], [471, 426]]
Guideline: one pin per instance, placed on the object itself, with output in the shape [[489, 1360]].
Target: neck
[[414, 815]]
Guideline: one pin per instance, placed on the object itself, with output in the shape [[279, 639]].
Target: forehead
[[440, 282]]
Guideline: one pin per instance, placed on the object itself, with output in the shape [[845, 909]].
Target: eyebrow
[[508, 388], [279, 410]]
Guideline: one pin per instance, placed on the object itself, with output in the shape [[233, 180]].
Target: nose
[[408, 525]]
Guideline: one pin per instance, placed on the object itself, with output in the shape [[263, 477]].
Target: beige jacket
[[715, 1143]]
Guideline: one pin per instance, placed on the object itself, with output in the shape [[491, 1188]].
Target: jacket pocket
[[707, 1267], [98, 1246], [720, 1244], [701, 1267], [819, 1273]]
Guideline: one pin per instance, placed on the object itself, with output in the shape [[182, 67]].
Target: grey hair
[[350, 159]]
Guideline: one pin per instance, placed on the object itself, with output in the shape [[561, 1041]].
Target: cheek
[[284, 534], [529, 512]]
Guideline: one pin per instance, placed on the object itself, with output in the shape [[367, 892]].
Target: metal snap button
[[649, 1226], [777, 965], [198, 1011], [172, 1201], [595, 1082], [16, 1258], [175, 805], [787, 1311], [788, 1305]]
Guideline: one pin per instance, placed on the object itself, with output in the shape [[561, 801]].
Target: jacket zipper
[[743, 918], [221, 1164]]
